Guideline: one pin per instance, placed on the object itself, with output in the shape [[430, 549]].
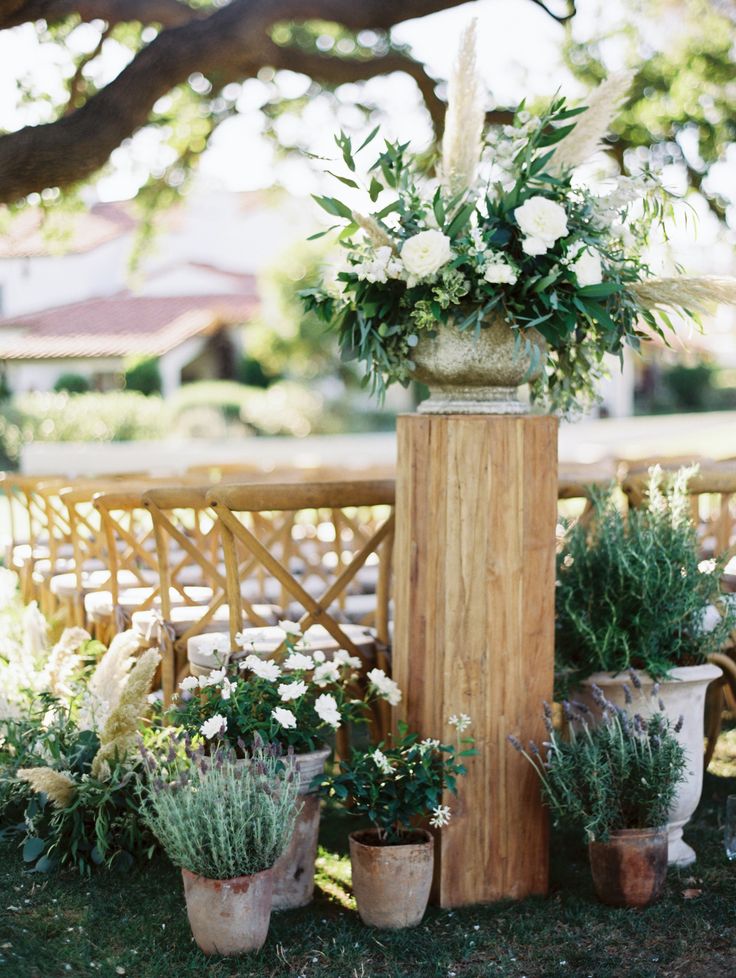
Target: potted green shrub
[[634, 594], [396, 786], [298, 702], [616, 780], [224, 823]]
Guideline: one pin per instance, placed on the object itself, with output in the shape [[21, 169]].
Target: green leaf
[[46, 865], [32, 849], [599, 291], [368, 139], [346, 180], [334, 206], [374, 190], [459, 220]]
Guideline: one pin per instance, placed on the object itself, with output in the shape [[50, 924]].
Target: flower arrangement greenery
[[297, 702], [505, 228], [219, 816], [398, 783], [620, 772], [67, 765], [633, 591]]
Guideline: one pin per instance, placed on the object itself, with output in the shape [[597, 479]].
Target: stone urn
[[477, 372], [683, 694], [293, 872], [229, 917], [629, 869], [391, 883]]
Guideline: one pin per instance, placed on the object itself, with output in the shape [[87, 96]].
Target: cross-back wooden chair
[[188, 549], [344, 529], [32, 544]]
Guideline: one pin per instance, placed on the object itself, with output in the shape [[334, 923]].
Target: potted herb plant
[[634, 594], [616, 780], [224, 823], [503, 266], [298, 703], [396, 786]]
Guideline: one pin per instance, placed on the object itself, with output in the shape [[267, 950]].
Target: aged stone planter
[[683, 694], [229, 917], [391, 883], [630, 869], [293, 873], [469, 374]]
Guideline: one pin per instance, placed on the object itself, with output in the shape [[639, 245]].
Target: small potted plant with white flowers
[[297, 701], [397, 786]]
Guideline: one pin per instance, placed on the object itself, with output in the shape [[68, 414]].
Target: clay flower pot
[[630, 869], [391, 883], [229, 916], [293, 872], [683, 694]]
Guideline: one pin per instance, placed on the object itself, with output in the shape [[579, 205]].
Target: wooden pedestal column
[[474, 630]]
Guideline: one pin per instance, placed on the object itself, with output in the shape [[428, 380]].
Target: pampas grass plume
[[119, 734], [374, 232], [462, 141], [592, 126], [695, 294], [59, 787]]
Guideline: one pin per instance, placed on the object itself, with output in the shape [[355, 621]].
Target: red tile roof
[[120, 325], [26, 236]]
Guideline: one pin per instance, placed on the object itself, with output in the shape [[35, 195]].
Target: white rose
[[327, 672], [534, 246], [386, 688], [285, 718], [541, 218], [425, 253], [190, 683], [587, 268], [290, 628], [214, 726], [498, 272], [292, 691], [326, 709], [299, 661], [263, 668]]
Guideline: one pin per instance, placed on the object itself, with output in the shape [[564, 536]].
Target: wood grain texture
[[474, 632]]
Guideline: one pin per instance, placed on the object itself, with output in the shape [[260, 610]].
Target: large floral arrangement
[[506, 228], [296, 702]]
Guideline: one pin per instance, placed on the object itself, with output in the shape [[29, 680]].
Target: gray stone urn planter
[[476, 374]]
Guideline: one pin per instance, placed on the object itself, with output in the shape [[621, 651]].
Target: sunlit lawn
[[136, 925]]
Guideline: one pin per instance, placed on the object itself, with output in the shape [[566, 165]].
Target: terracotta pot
[[630, 869], [293, 873], [683, 694], [229, 916], [469, 373], [391, 883]]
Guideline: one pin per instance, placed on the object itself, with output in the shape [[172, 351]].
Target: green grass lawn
[[135, 925]]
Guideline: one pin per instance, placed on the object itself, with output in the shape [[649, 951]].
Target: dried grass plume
[[466, 96], [119, 734], [108, 679], [59, 787], [374, 232], [697, 294], [592, 126]]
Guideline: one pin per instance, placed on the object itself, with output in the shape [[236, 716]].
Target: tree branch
[[169, 13]]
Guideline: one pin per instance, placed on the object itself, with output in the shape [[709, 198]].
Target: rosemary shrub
[[632, 590], [620, 772], [218, 816]]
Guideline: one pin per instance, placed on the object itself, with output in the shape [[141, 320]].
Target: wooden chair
[[315, 541]]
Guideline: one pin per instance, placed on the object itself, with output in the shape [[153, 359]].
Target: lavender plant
[[219, 816], [620, 772]]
